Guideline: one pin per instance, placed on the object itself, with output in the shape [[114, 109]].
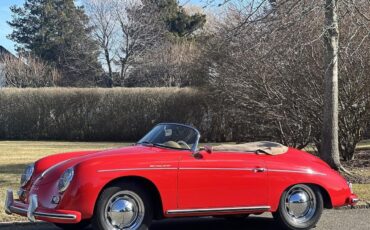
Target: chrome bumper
[[31, 212]]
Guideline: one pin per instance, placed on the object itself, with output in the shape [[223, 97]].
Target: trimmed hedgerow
[[119, 114]]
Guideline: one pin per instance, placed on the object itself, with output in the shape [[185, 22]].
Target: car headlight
[[65, 179], [27, 174]]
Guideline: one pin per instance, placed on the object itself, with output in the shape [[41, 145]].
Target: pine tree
[[56, 31], [177, 20]]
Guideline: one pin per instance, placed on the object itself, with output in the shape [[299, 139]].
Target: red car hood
[[50, 168]]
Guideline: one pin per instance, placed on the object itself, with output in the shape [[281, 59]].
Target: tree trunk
[[330, 146], [110, 72]]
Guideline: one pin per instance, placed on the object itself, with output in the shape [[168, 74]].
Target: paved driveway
[[356, 219]]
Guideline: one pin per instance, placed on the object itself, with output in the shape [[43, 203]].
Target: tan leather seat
[[268, 147]]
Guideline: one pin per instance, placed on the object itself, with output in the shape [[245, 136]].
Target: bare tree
[[330, 129], [140, 30], [272, 73], [105, 25], [28, 71]]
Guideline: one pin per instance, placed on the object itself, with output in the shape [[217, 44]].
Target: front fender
[[89, 181]]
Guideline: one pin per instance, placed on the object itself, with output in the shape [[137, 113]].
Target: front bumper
[[33, 212], [352, 200]]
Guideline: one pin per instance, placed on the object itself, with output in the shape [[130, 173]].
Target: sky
[[5, 15]]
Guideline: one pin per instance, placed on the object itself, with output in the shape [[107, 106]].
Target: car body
[[176, 180]]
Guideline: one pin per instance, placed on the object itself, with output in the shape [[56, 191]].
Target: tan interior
[[268, 147]]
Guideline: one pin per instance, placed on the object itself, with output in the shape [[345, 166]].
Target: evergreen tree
[[57, 32], [177, 20]]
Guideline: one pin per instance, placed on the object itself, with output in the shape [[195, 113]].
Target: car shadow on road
[[254, 222]]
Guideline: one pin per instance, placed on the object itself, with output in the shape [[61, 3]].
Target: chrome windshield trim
[[218, 210], [194, 147]]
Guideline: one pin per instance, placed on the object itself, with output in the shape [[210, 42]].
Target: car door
[[222, 180]]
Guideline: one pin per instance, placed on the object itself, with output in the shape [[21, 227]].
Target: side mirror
[[208, 149]]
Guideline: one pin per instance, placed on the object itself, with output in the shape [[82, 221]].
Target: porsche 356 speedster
[[166, 175]]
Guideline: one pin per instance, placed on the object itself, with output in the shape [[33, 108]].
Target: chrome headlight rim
[[350, 186], [65, 179], [27, 174]]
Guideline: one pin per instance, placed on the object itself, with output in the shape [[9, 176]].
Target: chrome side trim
[[165, 168], [133, 169], [219, 210], [216, 169], [297, 171], [220, 169]]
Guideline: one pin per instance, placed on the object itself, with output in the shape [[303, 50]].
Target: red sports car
[[166, 175]]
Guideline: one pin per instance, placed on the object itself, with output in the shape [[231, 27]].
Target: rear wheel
[[300, 207], [123, 206]]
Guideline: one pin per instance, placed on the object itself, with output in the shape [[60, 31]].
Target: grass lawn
[[15, 155]]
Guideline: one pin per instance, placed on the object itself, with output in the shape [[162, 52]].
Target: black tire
[[309, 220], [79, 226], [131, 190]]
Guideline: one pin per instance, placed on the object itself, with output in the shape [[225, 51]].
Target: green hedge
[[119, 114]]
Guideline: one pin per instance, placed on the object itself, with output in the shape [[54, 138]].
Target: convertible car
[[167, 175]]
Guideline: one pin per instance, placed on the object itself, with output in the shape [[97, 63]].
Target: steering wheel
[[183, 143]]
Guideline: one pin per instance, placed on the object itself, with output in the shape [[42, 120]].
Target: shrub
[[119, 114], [27, 71]]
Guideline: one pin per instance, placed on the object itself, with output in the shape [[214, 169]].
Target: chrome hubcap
[[300, 204], [124, 211]]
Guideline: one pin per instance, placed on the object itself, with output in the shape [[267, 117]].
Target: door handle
[[257, 170]]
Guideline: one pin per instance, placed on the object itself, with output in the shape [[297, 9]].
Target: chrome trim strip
[[296, 171], [214, 169], [134, 169], [165, 168], [229, 169], [51, 168], [43, 214], [218, 210]]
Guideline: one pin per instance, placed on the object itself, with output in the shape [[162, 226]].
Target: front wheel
[[123, 206], [300, 207]]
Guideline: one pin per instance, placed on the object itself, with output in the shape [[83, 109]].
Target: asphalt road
[[355, 219]]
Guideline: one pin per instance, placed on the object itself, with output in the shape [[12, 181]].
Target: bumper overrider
[[352, 200], [33, 212]]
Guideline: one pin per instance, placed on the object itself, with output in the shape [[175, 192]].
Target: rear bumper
[[33, 212]]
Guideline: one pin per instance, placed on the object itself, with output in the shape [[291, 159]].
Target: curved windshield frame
[[172, 135]]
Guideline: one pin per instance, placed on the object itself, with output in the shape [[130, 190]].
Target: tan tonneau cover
[[268, 147]]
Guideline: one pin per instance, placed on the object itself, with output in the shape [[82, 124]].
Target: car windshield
[[174, 136]]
